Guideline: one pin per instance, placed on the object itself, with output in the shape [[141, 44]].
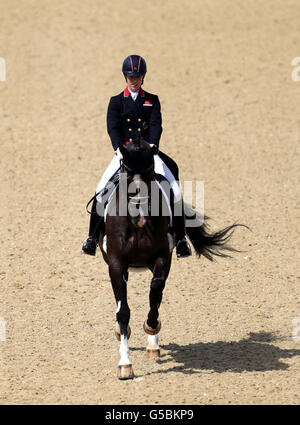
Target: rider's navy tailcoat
[[127, 118]]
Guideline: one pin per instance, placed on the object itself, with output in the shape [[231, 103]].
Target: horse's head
[[138, 163], [138, 157]]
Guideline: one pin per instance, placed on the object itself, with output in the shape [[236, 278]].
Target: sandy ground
[[231, 112]]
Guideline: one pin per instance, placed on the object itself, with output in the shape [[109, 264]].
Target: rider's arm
[[155, 127], [114, 123]]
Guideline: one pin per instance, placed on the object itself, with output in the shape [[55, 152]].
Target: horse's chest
[[139, 245], [139, 241]]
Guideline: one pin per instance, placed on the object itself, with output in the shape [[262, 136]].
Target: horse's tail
[[209, 244]]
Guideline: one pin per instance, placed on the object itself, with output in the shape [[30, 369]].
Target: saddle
[[105, 196]]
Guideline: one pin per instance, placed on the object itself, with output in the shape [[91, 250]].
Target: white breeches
[[159, 168], [112, 168]]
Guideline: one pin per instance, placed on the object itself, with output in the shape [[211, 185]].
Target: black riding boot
[[96, 225], [182, 246]]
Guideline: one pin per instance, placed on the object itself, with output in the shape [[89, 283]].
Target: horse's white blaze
[[124, 352], [152, 342]]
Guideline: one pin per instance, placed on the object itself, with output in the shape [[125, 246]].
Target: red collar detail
[[127, 92]]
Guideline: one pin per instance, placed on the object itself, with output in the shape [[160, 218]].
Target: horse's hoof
[[151, 331], [118, 332], [125, 372], [152, 353]]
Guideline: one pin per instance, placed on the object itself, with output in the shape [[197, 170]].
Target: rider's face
[[134, 83]]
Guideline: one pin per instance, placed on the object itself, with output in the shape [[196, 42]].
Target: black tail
[[210, 244]]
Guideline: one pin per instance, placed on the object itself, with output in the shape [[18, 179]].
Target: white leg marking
[[104, 244], [124, 352], [153, 342]]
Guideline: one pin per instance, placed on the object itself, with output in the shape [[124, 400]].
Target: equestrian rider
[[134, 112]]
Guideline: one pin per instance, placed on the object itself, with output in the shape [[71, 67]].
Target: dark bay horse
[[137, 238]]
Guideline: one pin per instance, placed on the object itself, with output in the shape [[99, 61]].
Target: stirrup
[[90, 246]]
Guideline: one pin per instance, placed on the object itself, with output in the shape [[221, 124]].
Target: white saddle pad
[[163, 193]]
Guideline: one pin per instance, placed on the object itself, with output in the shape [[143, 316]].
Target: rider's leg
[[94, 228], [96, 225], [170, 163], [112, 168], [97, 215], [160, 161], [160, 167], [182, 246]]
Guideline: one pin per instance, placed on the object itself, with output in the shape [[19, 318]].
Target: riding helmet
[[134, 66]]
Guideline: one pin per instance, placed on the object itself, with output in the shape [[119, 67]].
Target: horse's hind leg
[[153, 324], [119, 283]]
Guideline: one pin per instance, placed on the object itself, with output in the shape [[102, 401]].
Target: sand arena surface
[[231, 113]]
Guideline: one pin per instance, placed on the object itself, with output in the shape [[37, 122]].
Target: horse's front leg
[[119, 276], [153, 324]]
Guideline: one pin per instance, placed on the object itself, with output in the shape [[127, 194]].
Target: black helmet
[[134, 66]]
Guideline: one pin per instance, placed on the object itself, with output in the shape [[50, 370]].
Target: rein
[[136, 200], [91, 200]]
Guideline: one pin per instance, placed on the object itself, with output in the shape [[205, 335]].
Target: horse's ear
[[154, 150]]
